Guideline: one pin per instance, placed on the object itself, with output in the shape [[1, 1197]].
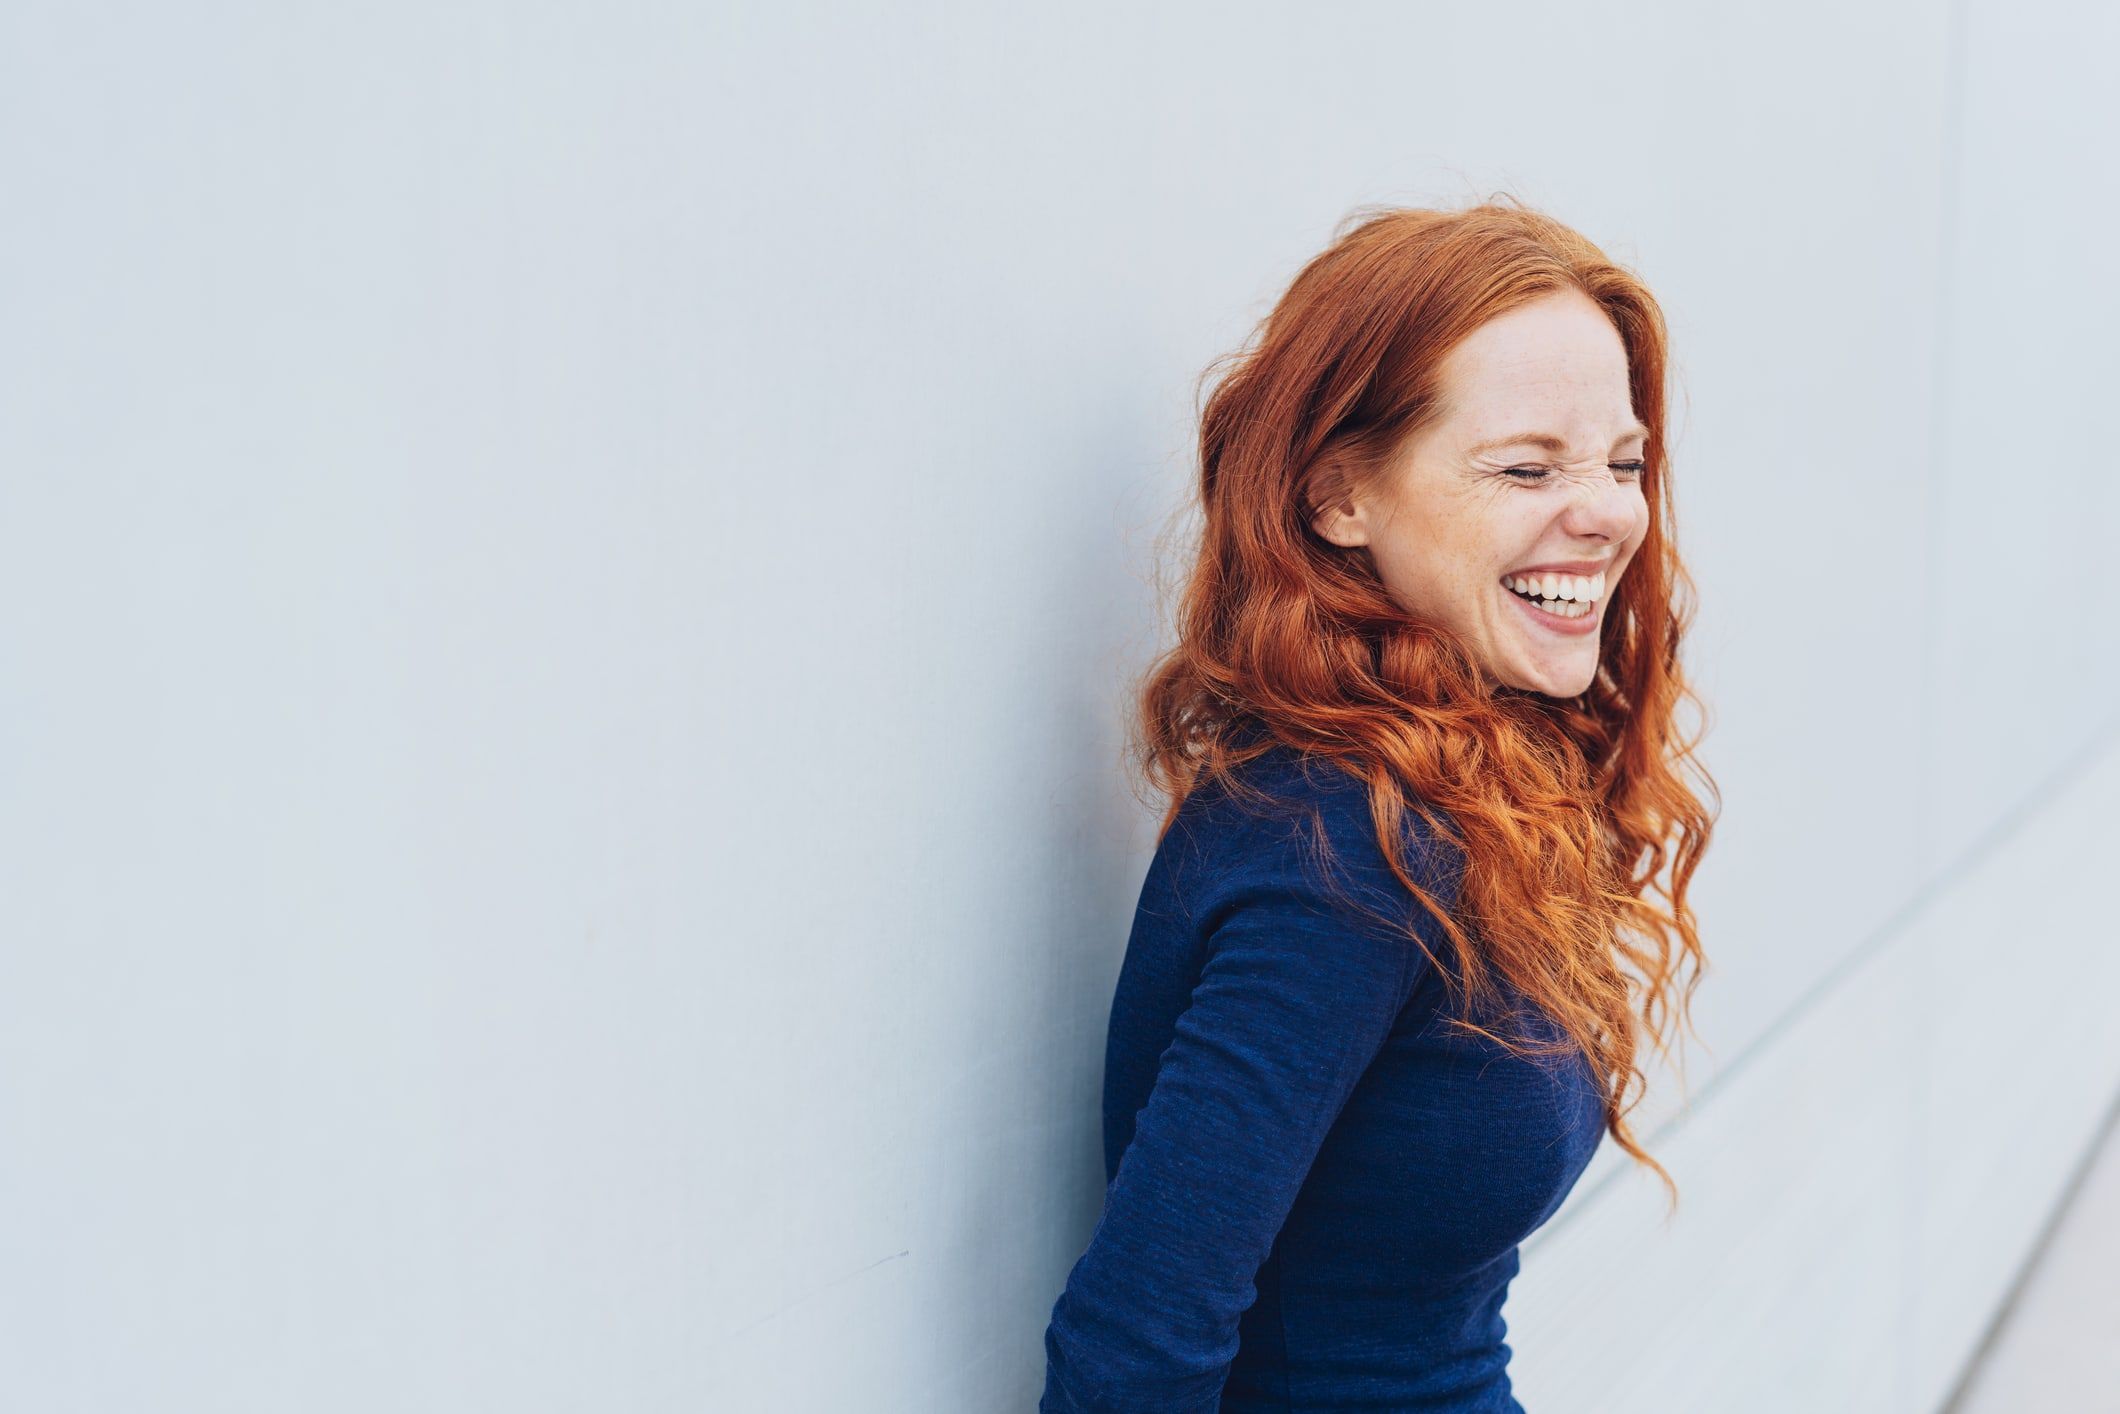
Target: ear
[[1343, 523], [1341, 514]]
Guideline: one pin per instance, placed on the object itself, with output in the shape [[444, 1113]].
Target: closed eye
[[1532, 475]]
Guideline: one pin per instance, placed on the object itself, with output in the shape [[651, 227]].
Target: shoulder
[[1298, 825]]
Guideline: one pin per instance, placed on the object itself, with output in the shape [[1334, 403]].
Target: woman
[[1417, 740]]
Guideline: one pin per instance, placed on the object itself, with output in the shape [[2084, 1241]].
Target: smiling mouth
[[1559, 608]]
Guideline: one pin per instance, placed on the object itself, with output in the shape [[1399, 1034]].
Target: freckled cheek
[[1640, 530]]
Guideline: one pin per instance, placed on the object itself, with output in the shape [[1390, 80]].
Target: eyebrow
[[1545, 441]]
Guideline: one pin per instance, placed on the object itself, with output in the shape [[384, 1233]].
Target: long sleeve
[[1296, 996]]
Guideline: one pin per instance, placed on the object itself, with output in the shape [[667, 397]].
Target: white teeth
[[1563, 588]]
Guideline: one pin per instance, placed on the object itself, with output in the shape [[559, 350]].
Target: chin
[[1555, 685]]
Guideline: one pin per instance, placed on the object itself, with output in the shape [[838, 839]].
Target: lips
[[1585, 568], [1577, 627]]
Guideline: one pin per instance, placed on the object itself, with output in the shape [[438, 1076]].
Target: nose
[[1603, 506]]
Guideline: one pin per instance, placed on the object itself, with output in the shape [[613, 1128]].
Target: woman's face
[[1542, 390]]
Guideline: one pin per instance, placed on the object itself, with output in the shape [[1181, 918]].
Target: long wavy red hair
[[1568, 811]]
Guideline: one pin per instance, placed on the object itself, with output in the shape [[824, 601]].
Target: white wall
[[569, 575]]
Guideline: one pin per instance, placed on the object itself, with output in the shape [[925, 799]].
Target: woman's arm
[[1295, 999]]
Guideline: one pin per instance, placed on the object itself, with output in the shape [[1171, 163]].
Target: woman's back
[[1317, 1190]]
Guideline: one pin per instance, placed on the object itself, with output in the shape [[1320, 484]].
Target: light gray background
[[569, 578]]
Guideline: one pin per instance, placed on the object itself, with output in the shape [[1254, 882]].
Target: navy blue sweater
[[1316, 1193]]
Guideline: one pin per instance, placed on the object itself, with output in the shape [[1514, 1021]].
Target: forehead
[[1558, 359]]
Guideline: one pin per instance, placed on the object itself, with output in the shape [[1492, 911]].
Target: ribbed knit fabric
[[1316, 1193]]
